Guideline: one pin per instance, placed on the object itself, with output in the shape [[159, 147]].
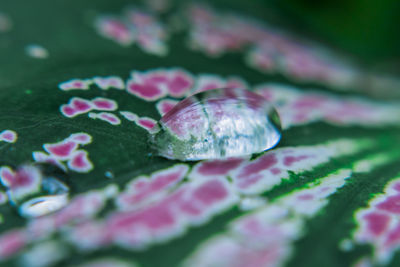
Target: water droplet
[[38, 189], [43, 205], [216, 124], [109, 174]]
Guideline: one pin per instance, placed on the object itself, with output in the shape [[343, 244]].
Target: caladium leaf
[[82, 85]]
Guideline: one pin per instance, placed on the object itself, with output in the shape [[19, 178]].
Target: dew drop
[[217, 124], [43, 205], [38, 189]]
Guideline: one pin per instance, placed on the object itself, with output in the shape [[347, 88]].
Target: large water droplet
[[219, 123], [37, 190]]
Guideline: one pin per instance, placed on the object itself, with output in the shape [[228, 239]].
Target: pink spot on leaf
[[100, 103], [80, 162], [62, 150], [109, 82], [377, 223], [130, 116], [210, 192], [166, 218], [11, 243], [40, 156], [254, 167], [106, 116], [24, 181], [146, 123], [217, 167], [80, 138], [146, 91], [391, 204], [8, 136], [305, 197], [393, 237], [76, 106], [75, 84], [143, 189], [289, 160], [114, 29], [179, 83], [165, 105]]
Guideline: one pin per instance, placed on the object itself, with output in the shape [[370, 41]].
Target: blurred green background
[[367, 28]]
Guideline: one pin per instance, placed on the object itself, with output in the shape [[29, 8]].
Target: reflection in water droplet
[[37, 190], [215, 124]]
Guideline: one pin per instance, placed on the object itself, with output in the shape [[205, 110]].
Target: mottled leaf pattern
[[83, 85]]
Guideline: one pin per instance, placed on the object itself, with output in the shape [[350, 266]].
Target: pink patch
[[26, 180], [262, 59], [81, 105], [154, 219], [80, 138], [135, 26], [90, 236], [143, 189], [130, 116], [11, 243], [393, 237], [377, 223], [6, 175], [217, 167], [152, 77], [146, 123], [109, 82], [310, 102], [76, 106], [75, 84], [289, 160], [25, 177], [254, 167], [189, 205], [106, 116], [210, 192], [82, 207], [179, 83], [100, 103], [80, 162], [397, 187], [305, 197], [115, 30], [275, 171], [8, 136], [39, 156], [165, 105], [62, 150], [391, 204], [296, 107], [146, 91]]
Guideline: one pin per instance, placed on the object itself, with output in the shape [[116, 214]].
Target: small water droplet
[[235, 122], [38, 189], [109, 174]]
